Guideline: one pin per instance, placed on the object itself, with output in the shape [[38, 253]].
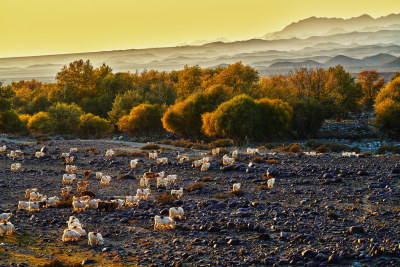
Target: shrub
[[25, 120], [276, 116], [10, 122], [40, 123], [123, 104], [237, 118], [143, 118], [387, 119], [184, 118], [257, 160], [195, 186], [64, 118], [222, 143], [308, 118], [91, 125], [166, 198], [150, 147]]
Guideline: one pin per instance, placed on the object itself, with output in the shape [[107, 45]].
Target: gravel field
[[323, 209]]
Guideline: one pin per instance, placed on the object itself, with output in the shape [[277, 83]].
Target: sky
[[45, 27]]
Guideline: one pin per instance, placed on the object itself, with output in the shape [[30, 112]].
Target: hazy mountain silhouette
[[357, 43], [314, 26]]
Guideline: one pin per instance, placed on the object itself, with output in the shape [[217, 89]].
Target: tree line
[[232, 101]]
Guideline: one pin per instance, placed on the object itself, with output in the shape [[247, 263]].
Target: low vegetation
[[230, 102]]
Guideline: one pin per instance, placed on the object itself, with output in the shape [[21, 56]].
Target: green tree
[[94, 126], [370, 85], [144, 118], [64, 118], [123, 104], [237, 118], [40, 123]]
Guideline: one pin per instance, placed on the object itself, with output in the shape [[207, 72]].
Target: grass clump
[[206, 179], [257, 160], [150, 147], [195, 187], [388, 148], [322, 147], [262, 187], [166, 198], [59, 263], [272, 161], [222, 143]]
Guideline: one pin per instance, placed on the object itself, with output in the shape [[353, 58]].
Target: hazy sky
[[37, 27]]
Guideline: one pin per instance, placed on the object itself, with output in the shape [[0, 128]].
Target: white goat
[[226, 160], [162, 182], [271, 182], [176, 212], [179, 192], [153, 155], [66, 190], [235, 153], [134, 162], [95, 239], [205, 167], [215, 151], [94, 203], [70, 235], [120, 202], [3, 148], [132, 201], [79, 230], [73, 150], [15, 166], [172, 178], [99, 175], [105, 180], [79, 205], [4, 217], [236, 187], [162, 160], [70, 168], [143, 193], [144, 182], [39, 154], [110, 153], [51, 201], [29, 191], [162, 223], [6, 228], [68, 178], [197, 163]]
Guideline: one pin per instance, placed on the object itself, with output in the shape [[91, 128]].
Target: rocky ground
[[324, 209]]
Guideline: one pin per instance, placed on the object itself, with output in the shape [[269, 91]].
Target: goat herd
[[82, 201]]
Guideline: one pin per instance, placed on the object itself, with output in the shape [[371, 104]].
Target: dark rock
[[88, 261], [356, 230]]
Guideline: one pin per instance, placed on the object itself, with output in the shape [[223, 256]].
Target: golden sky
[[37, 27]]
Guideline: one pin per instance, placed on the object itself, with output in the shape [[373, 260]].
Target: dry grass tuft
[[150, 147], [195, 186], [166, 198]]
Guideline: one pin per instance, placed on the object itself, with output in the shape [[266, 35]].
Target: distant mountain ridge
[[358, 44], [314, 26]]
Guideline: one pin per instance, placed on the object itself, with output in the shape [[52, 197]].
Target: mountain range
[[357, 43]]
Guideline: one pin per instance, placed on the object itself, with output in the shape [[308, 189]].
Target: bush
[[308, 118], [387, 119], [150, 147], [195, 187], [91, 125], [276, 116], [184, 118], [10, 122], [25, 120], [237, 118], [143, 118], [123, 104], [40, 123], [222, 143], [64, 118], [166, 198]]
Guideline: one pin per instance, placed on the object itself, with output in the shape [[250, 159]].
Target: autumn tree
[[346, 94], [370, 85], [144, 118], [189, 81]]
